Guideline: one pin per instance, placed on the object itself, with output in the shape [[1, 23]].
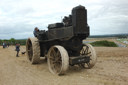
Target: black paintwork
[[69, 33]]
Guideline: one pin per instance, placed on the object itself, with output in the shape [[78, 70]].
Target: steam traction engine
[[62, 43]]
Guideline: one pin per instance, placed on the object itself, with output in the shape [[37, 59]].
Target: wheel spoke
[[51, 58], [87, 53], [88, 64], [82, 51], [53, 54], [86, 50]]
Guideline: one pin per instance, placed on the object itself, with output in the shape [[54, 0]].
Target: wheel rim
[[89, 51], [58, 60], [29, 49]]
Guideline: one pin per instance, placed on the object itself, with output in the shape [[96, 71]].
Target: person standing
[[3, 45], [17, 49]]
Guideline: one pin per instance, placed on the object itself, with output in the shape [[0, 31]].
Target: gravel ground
[[111, 69]]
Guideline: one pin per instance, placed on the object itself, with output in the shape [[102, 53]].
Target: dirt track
[[111, 69]]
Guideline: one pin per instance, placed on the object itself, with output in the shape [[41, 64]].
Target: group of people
[[5, 45], [17, 46]]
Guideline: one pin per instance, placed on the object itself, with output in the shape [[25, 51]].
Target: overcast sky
[[19, 17]]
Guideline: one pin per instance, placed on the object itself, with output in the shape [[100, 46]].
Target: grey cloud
[[111, 18], [19, 17]]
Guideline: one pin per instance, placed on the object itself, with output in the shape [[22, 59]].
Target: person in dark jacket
[[17, 49], [35, 31]]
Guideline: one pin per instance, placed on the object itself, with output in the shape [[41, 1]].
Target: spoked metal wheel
[[58, 60], [33, 50], [89, 51]]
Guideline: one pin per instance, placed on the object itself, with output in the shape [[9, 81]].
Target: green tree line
[[13, 41], [104, 43]]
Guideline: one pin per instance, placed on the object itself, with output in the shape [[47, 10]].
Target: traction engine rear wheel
[[33, 50], [58, 60], [89, 51]]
